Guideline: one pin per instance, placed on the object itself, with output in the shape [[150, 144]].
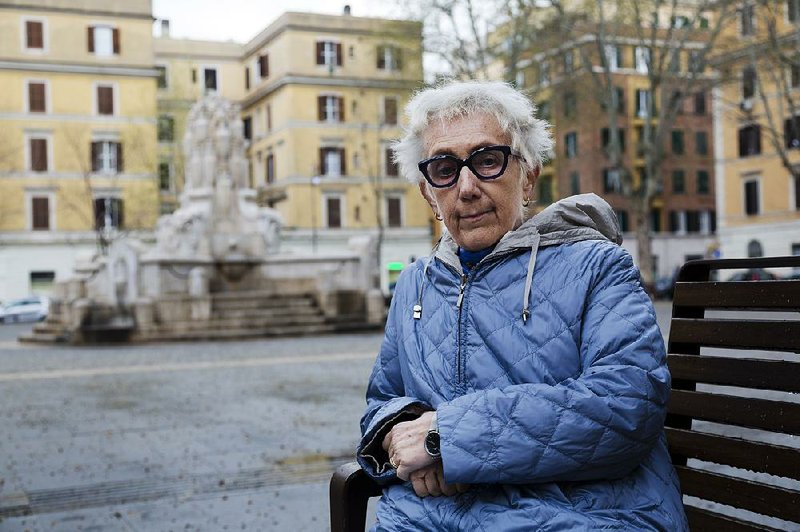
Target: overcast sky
[[241, 20]]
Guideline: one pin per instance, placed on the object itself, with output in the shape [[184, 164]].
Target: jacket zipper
[[459, 368]]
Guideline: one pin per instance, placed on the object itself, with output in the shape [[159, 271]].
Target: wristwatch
[[432, 444]]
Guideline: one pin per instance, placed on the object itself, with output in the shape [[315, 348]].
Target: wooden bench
[[733, 353]]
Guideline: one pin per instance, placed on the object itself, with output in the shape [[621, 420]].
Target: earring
[[526, 202], [438, 216]]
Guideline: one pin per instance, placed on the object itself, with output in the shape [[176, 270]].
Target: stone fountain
[[215, 269]]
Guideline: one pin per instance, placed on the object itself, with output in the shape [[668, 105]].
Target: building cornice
[[76, 11], [319, 81], [78, 68]]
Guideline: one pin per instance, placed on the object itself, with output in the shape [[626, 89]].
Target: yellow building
[[322, 99], [77, 130], [757, 131]]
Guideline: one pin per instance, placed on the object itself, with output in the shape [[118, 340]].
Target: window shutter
[[393, 211], [41, 213], [338, 54], [38, 155], [246, 77], [340, 101], [95, 156], [323, 167], [115, 39], [36, 100], [390, 111], [321, 108], [118, 212], [320, 53], [334, 212], [381, 57], [99, 212], [344, 161], [263, 66], [119, 157], [398, 58], [90, 36], [105, 100], [34, 34], [391, 166]]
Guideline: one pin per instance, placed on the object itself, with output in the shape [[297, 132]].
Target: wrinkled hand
[[405, 445], [430, 481]]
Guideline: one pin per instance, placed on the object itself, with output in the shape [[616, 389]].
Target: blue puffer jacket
[[548, 374]]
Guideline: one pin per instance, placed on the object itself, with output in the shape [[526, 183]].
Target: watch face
[[432, 444]]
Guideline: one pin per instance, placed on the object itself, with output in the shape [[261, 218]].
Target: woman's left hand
[[405, 445]]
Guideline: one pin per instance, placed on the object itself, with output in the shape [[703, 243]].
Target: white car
[[33, 308]]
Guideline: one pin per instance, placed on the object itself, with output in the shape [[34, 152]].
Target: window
[[38, 154], [329, 53], [575, 183], [696, 62], [333, 211], [103, 41], [270, 168], [612, 181], [693, 221], [37, 101], [40, 213], [164, 176], [751, 199], [268, 116], [674, 64], [678, 182], [748, 82], [605, 139], [793, 10], [389, 58], [390, 110], [108, 213], [106, 157], [677, 221], [571, 145], [570, 104], [642, 59], [391, 165], [263, 66], [796, 180], [545, 112], [332, 162], [655, 220], [642, 103], [330, 108], [677, 141], [42, 281], [394, 211], [679, 21], [545, 192], [105, 100], [246, 78], [746, 20], [162, 76], [613, 55], [247, 128], [700, 103], [703, 182], [569, 61], [166, 128], [701, 143], [544, 73], [34, 35], [622, 218], [791, 133], [210, 79], [749, 140]]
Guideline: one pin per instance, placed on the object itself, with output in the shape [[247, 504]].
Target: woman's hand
[[405, 445], [430, 481]]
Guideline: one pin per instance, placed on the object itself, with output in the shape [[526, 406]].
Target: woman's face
[[477, 213]]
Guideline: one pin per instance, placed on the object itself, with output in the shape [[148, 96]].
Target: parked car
[[33, 308]]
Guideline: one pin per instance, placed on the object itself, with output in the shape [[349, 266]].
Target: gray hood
[[572, 219]]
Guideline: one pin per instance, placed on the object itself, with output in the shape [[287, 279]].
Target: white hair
[[514, 112]]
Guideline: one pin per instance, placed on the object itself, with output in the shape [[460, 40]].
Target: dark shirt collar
[[470, 258]]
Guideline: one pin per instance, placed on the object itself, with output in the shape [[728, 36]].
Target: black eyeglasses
[[442, 171]]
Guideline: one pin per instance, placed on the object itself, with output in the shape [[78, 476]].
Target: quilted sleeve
[[599, 425], [386, 406]]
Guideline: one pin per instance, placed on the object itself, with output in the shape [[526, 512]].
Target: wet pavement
[[239, 435]]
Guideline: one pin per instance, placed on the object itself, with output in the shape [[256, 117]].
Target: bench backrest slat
[[745, 454], [732, 414], [749, 373]]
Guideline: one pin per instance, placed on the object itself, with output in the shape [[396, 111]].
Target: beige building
[[322, 99], [77, 130], [757, 133]]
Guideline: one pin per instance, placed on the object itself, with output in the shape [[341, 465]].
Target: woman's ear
[[530, 182], [425, 190]]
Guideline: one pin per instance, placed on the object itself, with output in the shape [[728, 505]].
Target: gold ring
[[391, 463]]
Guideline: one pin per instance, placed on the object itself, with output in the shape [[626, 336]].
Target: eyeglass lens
[[486, 164]]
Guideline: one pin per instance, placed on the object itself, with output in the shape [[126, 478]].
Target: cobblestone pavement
[[239, 435]]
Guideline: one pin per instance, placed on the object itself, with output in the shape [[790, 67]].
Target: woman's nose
[[467, 183]]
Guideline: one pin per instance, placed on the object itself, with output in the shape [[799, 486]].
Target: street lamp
[[313, 206]]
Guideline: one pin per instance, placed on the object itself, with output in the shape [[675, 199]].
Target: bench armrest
[[350, 490]]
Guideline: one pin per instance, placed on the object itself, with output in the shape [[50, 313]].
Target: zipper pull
[[461, 293], [417, 311]]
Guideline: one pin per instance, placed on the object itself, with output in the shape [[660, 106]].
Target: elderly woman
[[522, 380]]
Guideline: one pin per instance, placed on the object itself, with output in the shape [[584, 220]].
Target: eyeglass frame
[[505, 150]]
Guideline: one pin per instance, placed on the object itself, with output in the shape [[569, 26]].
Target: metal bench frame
[[695, 453]]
